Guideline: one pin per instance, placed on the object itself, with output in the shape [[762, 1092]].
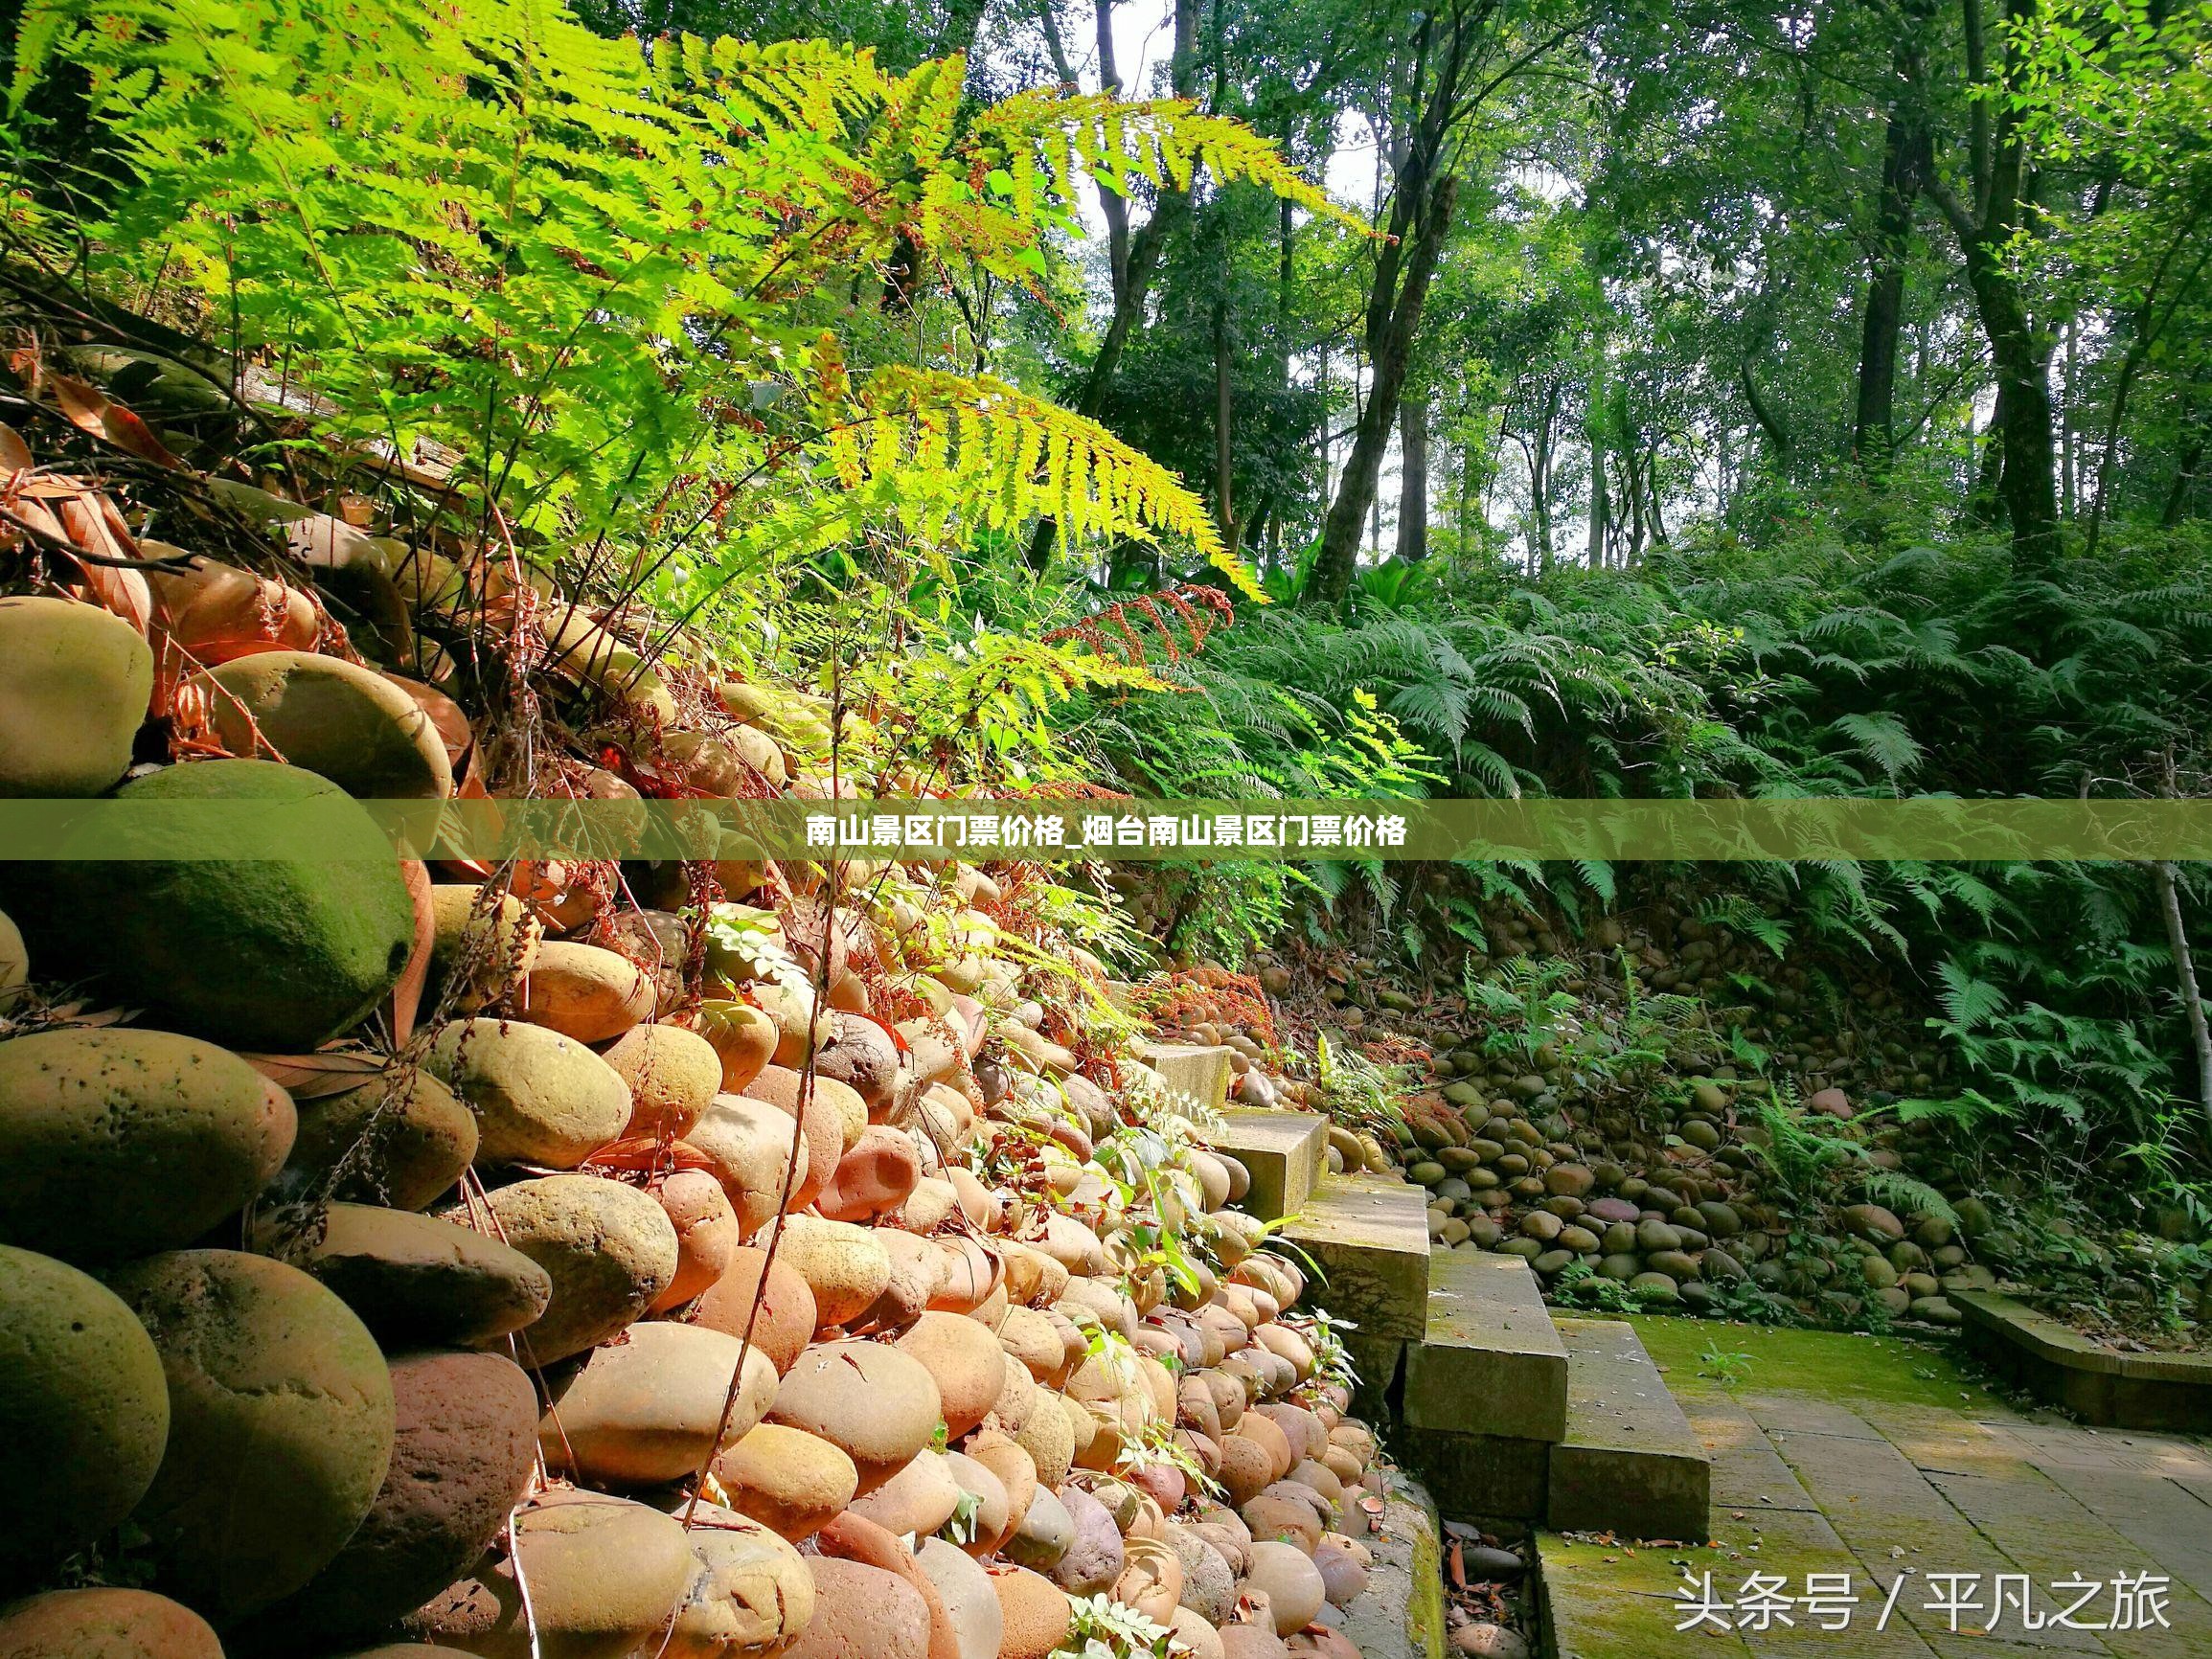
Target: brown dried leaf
[[311, 1077], [128, 432], [407, 993], [80, 403]]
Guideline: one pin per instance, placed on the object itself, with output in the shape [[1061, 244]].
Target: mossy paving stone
[[1610, 1600], [1878, 1502], [1747, 1472], [2051, 1536], [2132, 1482], [1780, 1359], [1904, 1452]]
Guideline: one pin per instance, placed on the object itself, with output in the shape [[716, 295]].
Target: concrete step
[[1283, 1152], [1630, 1464], [1485, 1393], [1369, 1235], [1492, 1361], [1199, 1071]]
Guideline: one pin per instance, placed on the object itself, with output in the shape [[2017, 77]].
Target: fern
[[1901, 1193]]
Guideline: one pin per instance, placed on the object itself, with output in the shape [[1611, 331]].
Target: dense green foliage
[[1672, 400]]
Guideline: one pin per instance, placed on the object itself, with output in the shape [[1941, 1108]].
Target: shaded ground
[[1836, 1453]]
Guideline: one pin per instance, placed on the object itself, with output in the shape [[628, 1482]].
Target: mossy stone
[[333, 717], [271, 954], [539, 1097], [117, 1143], [74, 684], [400, 1138], [417, 1279], [281, 1425], [83, 1412], [609, 1249], [462, 1458]]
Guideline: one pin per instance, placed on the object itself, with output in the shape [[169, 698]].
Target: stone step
[[1369, 1236], [1629, 1464], [1284, 1152], [1491, 1361], [1485, 1393], [1202, 1072]]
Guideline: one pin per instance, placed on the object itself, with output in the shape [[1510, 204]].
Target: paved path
[[1840, 1454]]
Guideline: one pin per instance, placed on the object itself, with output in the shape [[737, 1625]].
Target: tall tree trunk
[[1224, 450], [2145, 329], [1903, 163], [1390, 348], [1134, 257], [2019, 352], [1413, 479], [1985, 501], [2068, 363], [1540, 477], [2186, 473], [1594, 424], [1634, 495], [1421, 208], [2163, 875]]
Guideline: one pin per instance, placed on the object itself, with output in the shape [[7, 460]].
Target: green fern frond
[[934, 446]]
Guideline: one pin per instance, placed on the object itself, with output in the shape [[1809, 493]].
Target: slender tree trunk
[[2186, 980], [1904, 151], [1134, 257], [2186, 473], [1594, 421], [1540, 478], [1413, 479], [1421, 208], [2145, 333], [1224, 509], [1985, 502], [1634, 494], [1390, 347], [2068, 365]]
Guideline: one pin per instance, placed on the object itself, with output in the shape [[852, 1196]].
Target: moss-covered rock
[[274, 954], [83, 1412], [415, 1280], [116, 1143], [330, 717], [281, 1425], [74, 684], [400, 1140], [482, 944], [539, 1097]]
